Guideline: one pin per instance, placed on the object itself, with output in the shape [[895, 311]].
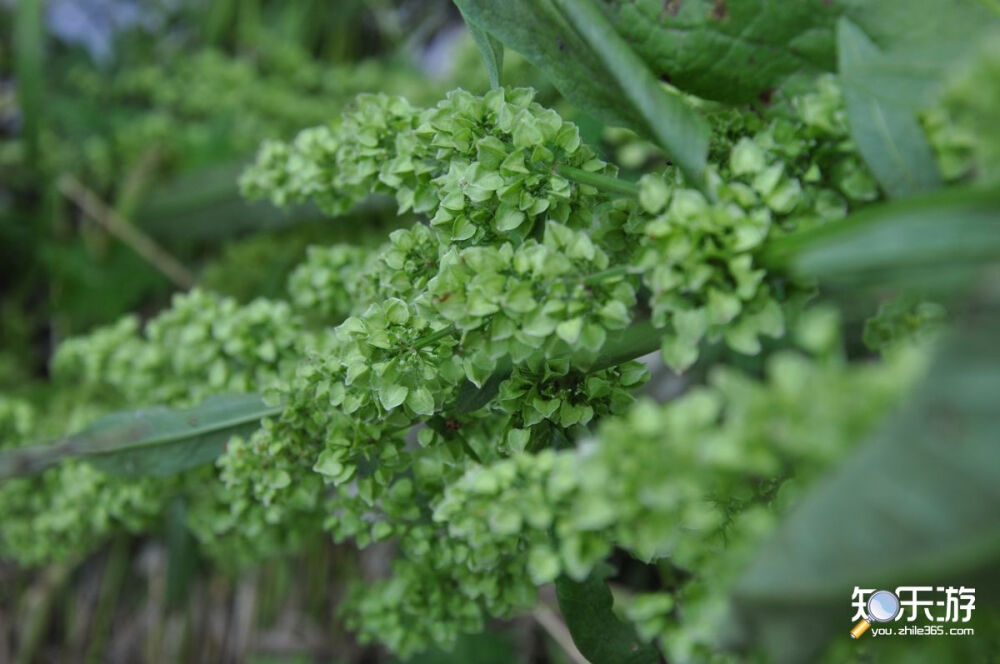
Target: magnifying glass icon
[[883, 606]]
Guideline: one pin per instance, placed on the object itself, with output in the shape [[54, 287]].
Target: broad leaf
[[597, 632], [888, 135], [154, 441], [729, 50], [918, 505], [737, 50]]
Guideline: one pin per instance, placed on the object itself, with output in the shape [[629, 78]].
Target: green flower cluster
[[901, 321], [329, 282], [699, 258], [17, 421], [567, 400], [685, 482], [479, 167], [526, 300], [203, 345], [264, 501], [71, 508], [68, 509], [457, 365], [971, 103], [698, 263]]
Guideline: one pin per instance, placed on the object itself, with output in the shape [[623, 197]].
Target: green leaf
[[888, 135], [938, 240], [597, 632], [490, 48], [392, 395], [621, 346], [666, 116], [155, 441], [729, 50], [535, 29], [918, 505], [738, 50], [920, 44], [471, 398], [182, 554], [29, 57], [610, 81], [421, 401]]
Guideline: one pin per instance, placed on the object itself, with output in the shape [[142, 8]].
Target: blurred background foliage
[[150, 110], [123, 126]]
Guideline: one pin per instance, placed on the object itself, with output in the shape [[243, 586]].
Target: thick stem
[[606, 183], [610, 273], [428, 339]]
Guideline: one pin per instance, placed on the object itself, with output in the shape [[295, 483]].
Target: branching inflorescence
[[434, 387]]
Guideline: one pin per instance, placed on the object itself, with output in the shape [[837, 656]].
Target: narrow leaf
[[29, 55], [597, 632], [936, 239], [490, 48], [154, 441], [182, 555], [888, 135], [676, 127], [596, 70]]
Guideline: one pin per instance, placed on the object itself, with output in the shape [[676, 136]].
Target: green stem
[[112, 581], [428, 339], [610, 273], [606, 183]]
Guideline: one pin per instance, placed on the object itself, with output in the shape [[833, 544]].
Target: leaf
[[681, 132], [597, 632], [491, 50], [471, 398], [738, 50], [888, 135], [918, 505], [182, 555], [151, 442], [939, 239], [29, 57], [729, 50], [535, 29], [920, 44], [538, 30], [392, 395]]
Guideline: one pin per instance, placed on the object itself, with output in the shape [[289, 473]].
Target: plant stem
[[112, 580], [138, 241], [611, 272], [428, 339], [557, 630], [603, 182]]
